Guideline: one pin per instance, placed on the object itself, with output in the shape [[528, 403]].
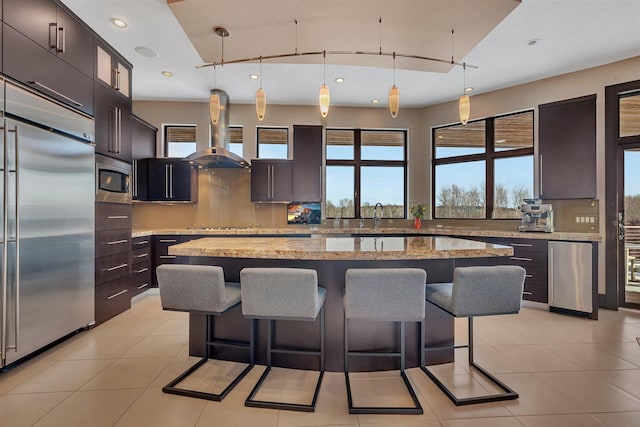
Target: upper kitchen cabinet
[[143, 146], [113, 124], [28, 62], [567, 149], [307, 163], [271, 180], [54, 29], [112, 70], [169, 180]]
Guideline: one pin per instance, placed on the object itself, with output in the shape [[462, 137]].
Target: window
[[273, 143], [629, 105], [236, 140], [484, 169], [365, 167], [179, 140]]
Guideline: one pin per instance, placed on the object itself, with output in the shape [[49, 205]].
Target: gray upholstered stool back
[[393, 294], [196, 288], [480, 291], [281, 293]]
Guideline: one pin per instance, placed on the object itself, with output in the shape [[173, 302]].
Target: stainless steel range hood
[[218, 155]]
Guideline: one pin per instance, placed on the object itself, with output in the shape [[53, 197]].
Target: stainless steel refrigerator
[[570, 276], [47, 186]]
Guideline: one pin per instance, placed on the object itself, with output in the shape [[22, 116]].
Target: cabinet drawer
[[140, 242], [140, 255], [113, 216], [112, 267], [111, 242], [536, 276], [535, 293], [526, 259], [140, 279], [112, 298]]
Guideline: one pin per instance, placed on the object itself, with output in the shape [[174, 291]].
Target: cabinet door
[[143, 139], [35, 19], [51, 76], [158, 179], [567, 149], [307, 164], [184, 182], [123, 129], [75, 42], [123, 78], [104, 72], [104, 120], [271, 180]]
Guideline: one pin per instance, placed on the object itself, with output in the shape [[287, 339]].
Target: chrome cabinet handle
[[117, 242], [142, 255], [17, 213], [524, 245], [118, 294], [540, 178], [55, 92], [171, 181], [142, 270], [142, 242], [117, 267], [167, 257], [118, 217], [550, 275], [61, 40], [166, 181], [3, 336], [143, 286], [168, 240], [515, 258], [528, 276], [527, 293]]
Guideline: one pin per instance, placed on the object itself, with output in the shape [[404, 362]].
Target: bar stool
[[478, 291], [201, 289], [283, 294], [394, 294]]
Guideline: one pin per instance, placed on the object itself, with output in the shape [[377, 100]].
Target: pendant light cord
[[452, 31], [380, 34], [324, 67], [296, 21]]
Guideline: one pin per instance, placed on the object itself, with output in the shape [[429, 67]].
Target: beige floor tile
[[228, 414], [64, 375], [379, 389], [23, 373], [25, 409], [536, 358], [118, 328], [536, 397], [175, 367], [627, 351], [157, 409], [590, 391], [158, 346], [618, 419], [401, 421], [492, 360], [96, 347], [628, 381], [589, 357], [127, 373], [574, 420], [90, 408], [288, 385], [482, 422], [213, 377], [174, 326]]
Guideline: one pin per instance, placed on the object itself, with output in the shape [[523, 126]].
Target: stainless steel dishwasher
[[570, 276]]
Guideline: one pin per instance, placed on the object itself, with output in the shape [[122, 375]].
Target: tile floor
[[568, 371]]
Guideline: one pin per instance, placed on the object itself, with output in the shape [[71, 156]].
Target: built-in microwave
[[113, 180]]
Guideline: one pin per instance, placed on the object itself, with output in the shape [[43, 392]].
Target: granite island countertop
[[382, 231], [319, 247]]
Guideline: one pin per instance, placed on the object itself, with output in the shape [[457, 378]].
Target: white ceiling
[[573, 35]]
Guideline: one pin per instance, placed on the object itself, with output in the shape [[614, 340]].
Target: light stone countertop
[[320, 247], [310, 230]]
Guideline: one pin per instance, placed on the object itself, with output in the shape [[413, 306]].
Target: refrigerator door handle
[[3, 321], [17, 226]]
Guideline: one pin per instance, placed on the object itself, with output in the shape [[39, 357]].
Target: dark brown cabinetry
[[307, 164], [168, 180], [140, 265], [112, 70], [143, 146], [113, 124], [271, 180], [31, 64], [113, 260], [567, 149], [160, 252]]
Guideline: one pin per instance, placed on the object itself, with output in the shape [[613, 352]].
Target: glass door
[[631, 232]]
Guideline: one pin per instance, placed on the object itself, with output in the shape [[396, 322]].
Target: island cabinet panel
[[567, 149], [140, 265], [113, 260], [160, 252], [530, 254], [307, 163], [271, 180], [36, 67]]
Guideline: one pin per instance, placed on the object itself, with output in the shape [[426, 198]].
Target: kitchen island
[[331, 256]]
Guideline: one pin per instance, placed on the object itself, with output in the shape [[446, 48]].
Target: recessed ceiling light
[[339, 79], [146, 52], [375, 101], [120, 23], [167, 73], [468, 89], [254, 76], [533, 42]]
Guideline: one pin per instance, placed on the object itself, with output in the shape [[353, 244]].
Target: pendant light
[[394, 93], [464, 105], [323, 96], [214, 102], [261, 98]]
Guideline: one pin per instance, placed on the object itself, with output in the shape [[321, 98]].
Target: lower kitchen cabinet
[[113, 260], [140, 265], [160, 252]]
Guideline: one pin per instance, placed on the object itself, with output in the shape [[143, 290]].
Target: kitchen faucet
[[377, 219]]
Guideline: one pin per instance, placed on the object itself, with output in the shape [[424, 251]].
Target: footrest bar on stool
[[282, 405], [415, 410], [172, 389], [509, 393]]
